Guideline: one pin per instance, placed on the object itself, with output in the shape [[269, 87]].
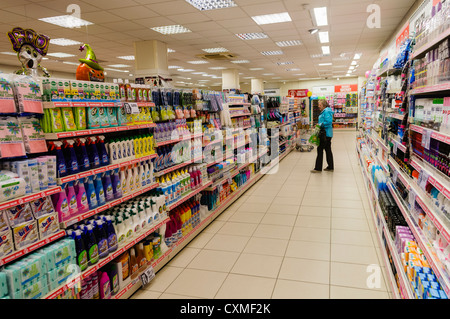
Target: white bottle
[[120, 230], [123, 182], [155, 212], [112, 147], [142, 217], [136, 221], [143, 179], [128, 226], [148, 179], [130, 181], [170, 197], [136, 178]]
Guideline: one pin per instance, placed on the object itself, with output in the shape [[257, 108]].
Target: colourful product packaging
[[112, 116], [122, 119], [43, 173], [24, 172], [42, 206], [51, 170], [28, 95], [77, 90], [68, 119], [103, 117], [60, 253], [93, 116], [79, 114], [57, 90], [58, 276], [4, 225], [19, 214], [11, 140], [25, 234], [7, 103], [33, 165], [6, 243], [33, 135], [56, 122], [11, 189], [48, 225]]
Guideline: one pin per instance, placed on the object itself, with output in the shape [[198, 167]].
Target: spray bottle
[[99, 191], [71, 199], [102, 240], [90, 193], [82, 260], [82, 155], [92, 247], [108, 186], [116, 184], [103, 154], [82, 201], [94, 158], [71, 157], [62, 206], [124, 182]]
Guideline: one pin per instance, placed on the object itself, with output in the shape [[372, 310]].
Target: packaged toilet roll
[[12, 188]]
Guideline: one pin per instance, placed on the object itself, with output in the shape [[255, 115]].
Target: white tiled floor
[[292, 235]]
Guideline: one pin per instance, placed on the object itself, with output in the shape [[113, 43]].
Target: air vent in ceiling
[[217, 56]]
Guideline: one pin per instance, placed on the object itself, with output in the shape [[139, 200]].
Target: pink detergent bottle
[[62, 206], [82, 201], [105, 286], [72, 199]]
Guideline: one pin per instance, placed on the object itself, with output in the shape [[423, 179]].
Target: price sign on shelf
[[131, 108], [426, 137], [147, 276]]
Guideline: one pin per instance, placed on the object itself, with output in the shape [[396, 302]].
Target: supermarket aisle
[[292, 235]]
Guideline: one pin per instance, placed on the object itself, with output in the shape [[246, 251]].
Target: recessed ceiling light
[[288, 43], [314, 56], [130, 74], [325, 49], [240, 61], [351, 67], [66, 21], [267, 74], [174, 67], [252, 36], [185, 70], [312, 31], [170, 50], [320, 15], [272, 52], [215, 50], [60, 54], [277, 77], [285, 63], [9, 53], [357, 56], [248, 77], [117, 70], [292, 70], [196, 73], [204, 80], [211, 4], [272, 18], [323, 37], [71, 63], [217, 68], [64, 42], [323, 64], [197, 62], [256, 69], [119, 65], [126, 57], [171, 29], [353, 63]]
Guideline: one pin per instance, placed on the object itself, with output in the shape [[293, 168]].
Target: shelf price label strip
[[29, 198], [186, 197]]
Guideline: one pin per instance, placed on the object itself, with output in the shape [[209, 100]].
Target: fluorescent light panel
[[66, 21], [324, 37], [64, 42], [170, 50], [197, 62], [240, 61], [174, 67], [325, 49], [71, 63], [320, 15], [9, 53], [252, 36], [288, 43], [60, 54], [295, 69], [215, 50], [272, 52], [323, 64], [256, 69], [285, 63], [204, 5], [171, 29], [185, 70], [119, 65], [126, 57], [357, 56], [353, 63], [217, 68], [272, 18]]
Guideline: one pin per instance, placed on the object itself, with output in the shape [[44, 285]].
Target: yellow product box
[[25, 234]]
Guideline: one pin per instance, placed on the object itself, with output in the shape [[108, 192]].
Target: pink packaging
[[34, 138], [28, 94], [11, 141], [7, 102]]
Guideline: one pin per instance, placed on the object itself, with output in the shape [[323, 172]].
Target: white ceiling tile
[[265, 8], [226, 14], [193, 17], [155, 22], [172, 7], [101, 17], [136, 12], [112, 4]]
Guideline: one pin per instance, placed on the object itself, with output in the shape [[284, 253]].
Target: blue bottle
[[99, 191], [111, 235], [102, 240], [91, 246], [91, 194], [82, 260], [71, 157], [82, 155], [60, 159], [94, 158], [108, 186], [116, 184], [102, 153]]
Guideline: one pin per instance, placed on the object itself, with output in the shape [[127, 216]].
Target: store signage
[[346, 88], [272, 92], [298, 93], [404, 34], [323, 89], [147, 276]]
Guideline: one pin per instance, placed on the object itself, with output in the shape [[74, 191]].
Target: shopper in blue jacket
[[326, 123]]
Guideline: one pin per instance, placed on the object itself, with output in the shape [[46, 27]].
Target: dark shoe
[[329, 169], [315, 171]]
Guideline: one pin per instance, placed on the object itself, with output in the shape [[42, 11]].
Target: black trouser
[[325, 144]]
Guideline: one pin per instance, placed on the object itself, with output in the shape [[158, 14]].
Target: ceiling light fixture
[[66, 21], [267, 74], [204, 5], [174, 67], [288, 43], [185, 70], [126, 57], [323, 37], [71, 63], [60, 54], [357, 56], [240, 61], [323, 64], [312, 31], [64, 42], [198, 62], [289, 70], [320, 15], [217, 68], [117, 70], [272, 52], [170, 50], [171, 29], [119, 65], [325, 49], [252, 36], [215, 50], [9, 53], [256, 69], [272, 18], [285, 63], [353, 63]]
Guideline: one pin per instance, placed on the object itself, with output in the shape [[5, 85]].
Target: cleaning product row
[[122, 149], [183, 219], [25, 224], [78, 155], [38, 273], [176, 184]]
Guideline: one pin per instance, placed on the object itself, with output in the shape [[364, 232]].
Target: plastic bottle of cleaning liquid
[[121, 231], [112, 146], [92, 247], [81, 251], [71, 199], [128, 227], [148, 174], [134, 266], [62, 206], [111, 235], [82, 155], [61, 166], [114, 278], [71, 157], [108, 186], [143, 179], [136, 221], [116, 184], [169, 189], [99, 191], [105, 285], [123, 181], [101, 149], [137, 178], [102, 240], [94, 158], [90, 193]]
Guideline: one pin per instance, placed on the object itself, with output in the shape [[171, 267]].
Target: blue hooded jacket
[[326, 121]]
